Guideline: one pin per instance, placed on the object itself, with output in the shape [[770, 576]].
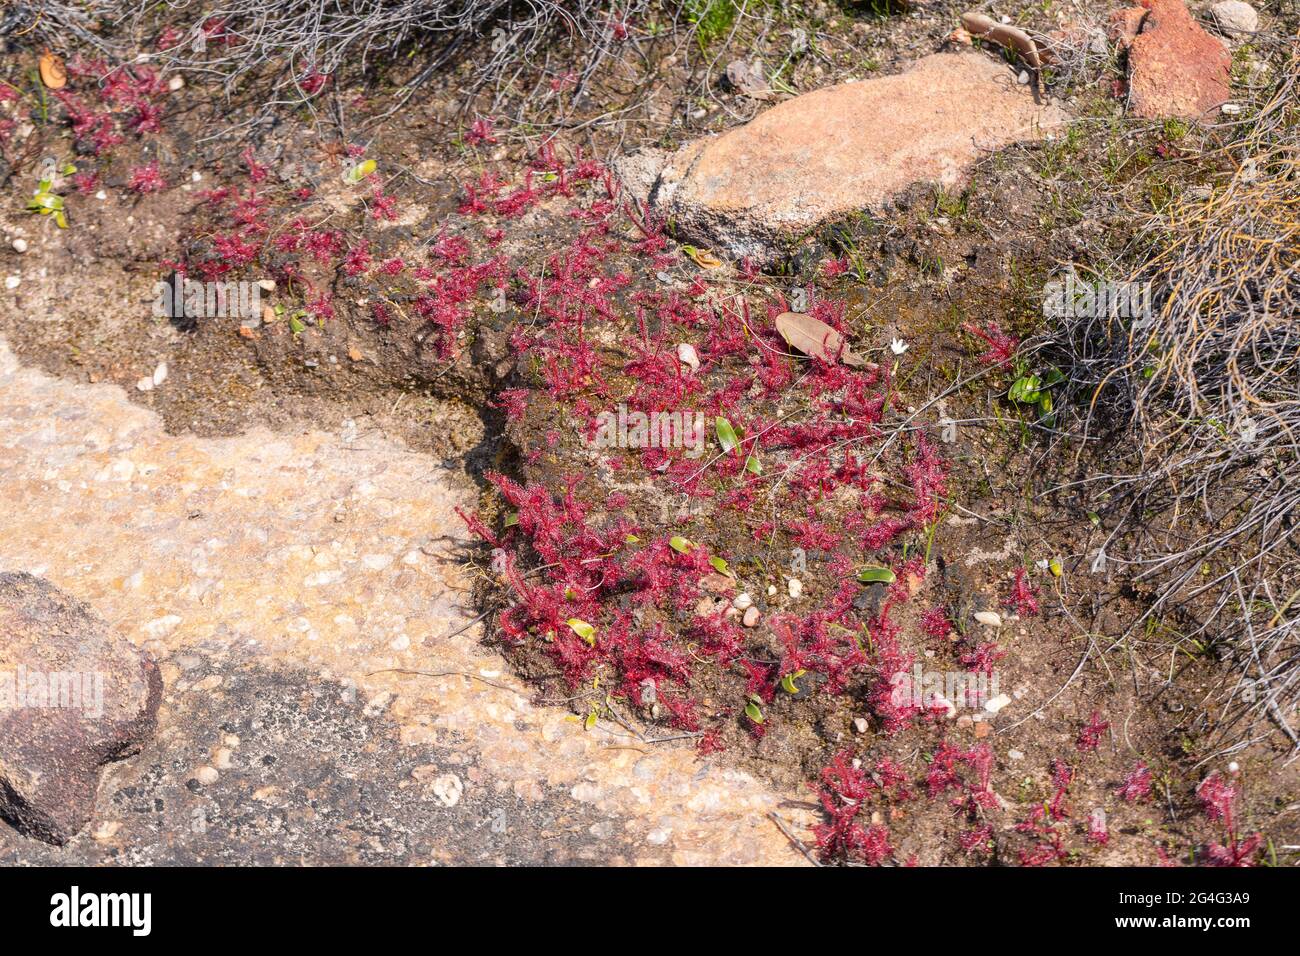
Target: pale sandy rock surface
[[277, 579], [837, 150]]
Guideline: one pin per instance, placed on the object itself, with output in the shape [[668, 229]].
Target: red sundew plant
[[1137, 784], [146, 179], [844, 791], [936, 623], [1049, 845], [603, 330], [480, 131], [983, 658], [1218, 801], [1001, 346], [1090, 736], [1062, 777], [974, 784], [1098, 834], [1024, 596]]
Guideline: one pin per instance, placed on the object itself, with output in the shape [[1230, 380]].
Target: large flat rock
[[328, 698], [837, 150], [73, 696]]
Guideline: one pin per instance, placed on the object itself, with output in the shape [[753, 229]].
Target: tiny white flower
[[898, 346]]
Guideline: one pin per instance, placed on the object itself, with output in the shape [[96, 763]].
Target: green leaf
[[754, 712], [720, 565], [679, 544], [61, 220], [512, 519], [295, 325], [1053, 376], [1026, 389], [590, 721], [632, 539], [583, 630], [788, 681], [752, 466], [874, 575], [360, 171], [1094, 518], [726, 435]]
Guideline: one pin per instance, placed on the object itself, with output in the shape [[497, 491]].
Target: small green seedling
[[1033, 390], [45, 203], [727, 437]]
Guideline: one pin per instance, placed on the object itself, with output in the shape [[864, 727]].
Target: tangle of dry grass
[[1209, 391]]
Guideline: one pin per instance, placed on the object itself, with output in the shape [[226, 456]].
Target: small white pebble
[[1233, 767], [989, 618], [771, 590], [20, 245], [688, 356], [1023, 78], [266, 285], [795, 587], [1016, 754], [742, 601], [997, 703], [751, 618], [196, 176], [176, 83], [860, 724], [206, 775], [101, 195], [13, 282], [145, 384], [160, 373]]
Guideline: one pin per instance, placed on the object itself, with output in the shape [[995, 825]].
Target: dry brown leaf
[[814, 337], [703, 258], [53, 73]]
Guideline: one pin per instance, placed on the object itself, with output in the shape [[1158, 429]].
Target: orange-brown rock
[[845, 148], [1176, 69]]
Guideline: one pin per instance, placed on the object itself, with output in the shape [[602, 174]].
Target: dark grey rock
[[73, 696]]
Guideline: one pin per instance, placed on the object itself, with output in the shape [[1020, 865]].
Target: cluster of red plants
[[602, 591]]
